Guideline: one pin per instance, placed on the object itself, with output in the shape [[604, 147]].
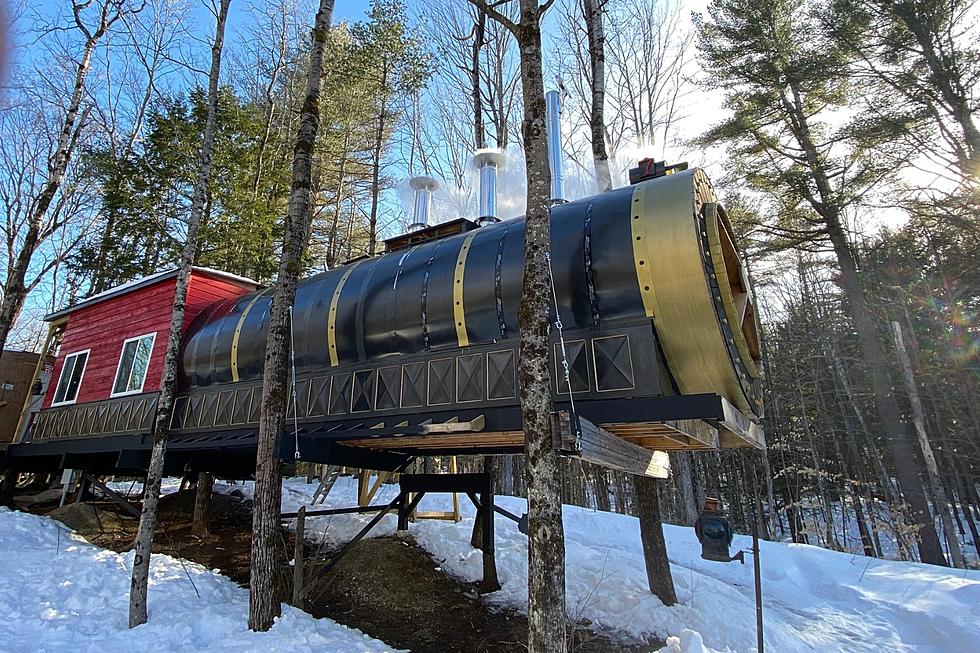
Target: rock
[[47, 496], [85, 518]]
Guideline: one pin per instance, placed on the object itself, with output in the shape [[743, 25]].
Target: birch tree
[[263, 604], [151, 38], [168, 384], [592, 11], [38, 211]]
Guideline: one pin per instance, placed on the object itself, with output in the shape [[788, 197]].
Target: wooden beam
[[453, 425], [298, 561], [737, 430], [596, 445], [112, 495]]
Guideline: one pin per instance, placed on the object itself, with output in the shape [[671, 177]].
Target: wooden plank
[[455, 426], [597, 445], [739, 431], [473, 440], [676, 435], [689, 433]]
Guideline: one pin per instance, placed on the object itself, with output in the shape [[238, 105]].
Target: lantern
[[714, 532]]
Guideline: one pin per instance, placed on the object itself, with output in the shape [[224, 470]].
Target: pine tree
[[782, 76]]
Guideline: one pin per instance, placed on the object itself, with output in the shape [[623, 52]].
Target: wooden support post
[[112, 495], [476, 537], [454, 469], [298, 557], [362, 479], [403, 514], [365, 489], [490, 581], [82, 488], [652, 536]]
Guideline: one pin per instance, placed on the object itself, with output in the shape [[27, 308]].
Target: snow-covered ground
[[58, 593], [847, 534], [814, 599]]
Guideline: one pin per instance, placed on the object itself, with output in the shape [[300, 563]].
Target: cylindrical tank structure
[[661, 250], [487, 162], [422, 205], [553, 131]]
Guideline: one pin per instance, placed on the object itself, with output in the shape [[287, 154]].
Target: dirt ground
[[386, 587]]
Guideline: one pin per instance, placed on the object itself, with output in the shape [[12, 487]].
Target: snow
[[815, 600], [848, 536], [59, 593]]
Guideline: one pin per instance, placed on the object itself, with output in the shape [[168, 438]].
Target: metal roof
[[143, 282]]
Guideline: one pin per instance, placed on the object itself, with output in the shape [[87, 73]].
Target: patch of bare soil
[[388, 588], [228, 548], [392, 589]]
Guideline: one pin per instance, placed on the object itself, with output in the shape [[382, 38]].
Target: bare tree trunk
[[546, 554], [680, 463], [201, 525], [652, 535], [546, 542], [376, 166], [479, 31], [15, 288], [105, 244], [597, 60], [168, 385], [263, 605], [333, 249], [896, 435], [932, 469]]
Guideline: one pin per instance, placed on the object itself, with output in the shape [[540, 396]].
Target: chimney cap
[[488, 155], [651, 169], [423, 183]]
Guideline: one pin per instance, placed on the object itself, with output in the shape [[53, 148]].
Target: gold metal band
[[238, 335], [684, 313], [332, 315], [640, 232], [459, 314]]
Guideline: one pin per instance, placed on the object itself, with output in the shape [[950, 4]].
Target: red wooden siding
[[104, 327], [204, 291]]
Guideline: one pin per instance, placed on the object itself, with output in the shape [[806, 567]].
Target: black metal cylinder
[[404, 302]]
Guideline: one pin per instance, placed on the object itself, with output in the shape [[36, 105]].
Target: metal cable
[[564, 354]]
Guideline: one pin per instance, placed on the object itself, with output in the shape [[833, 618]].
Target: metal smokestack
[[488, 161], [422, 210], [553, 129]]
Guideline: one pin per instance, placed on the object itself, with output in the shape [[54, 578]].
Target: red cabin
[[114, 343]]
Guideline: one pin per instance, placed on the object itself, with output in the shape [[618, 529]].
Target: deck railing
[[117, 416]]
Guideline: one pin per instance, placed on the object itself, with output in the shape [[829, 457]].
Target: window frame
[[122, 350], [61, 374]]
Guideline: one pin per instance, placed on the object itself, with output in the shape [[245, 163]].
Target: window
[[71, 378], [133, 363]]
